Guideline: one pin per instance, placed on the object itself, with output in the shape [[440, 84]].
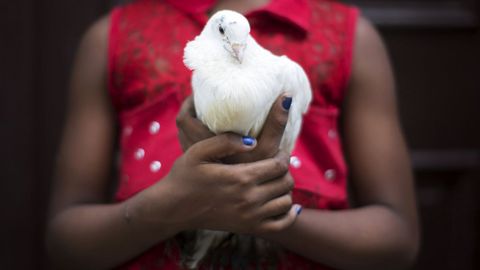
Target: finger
[[277, 207], [185, 142], [280, 223], [182, 140], [272, 131], [220, 146], [193, 129], [185, 109], [266, 169], [190, 107], [275, 188]]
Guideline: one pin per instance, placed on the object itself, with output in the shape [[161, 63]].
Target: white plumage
[[235, 82]]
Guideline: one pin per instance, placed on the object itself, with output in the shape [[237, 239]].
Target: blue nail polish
[[248, 140], [299, 210], [287, 102]]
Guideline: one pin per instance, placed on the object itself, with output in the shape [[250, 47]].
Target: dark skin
[[86, 231]]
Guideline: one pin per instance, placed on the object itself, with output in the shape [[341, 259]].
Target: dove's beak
[[238, 50]]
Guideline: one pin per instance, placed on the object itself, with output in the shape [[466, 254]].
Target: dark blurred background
[[435, 49]]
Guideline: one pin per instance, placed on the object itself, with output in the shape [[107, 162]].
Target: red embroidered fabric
[[148, 82]]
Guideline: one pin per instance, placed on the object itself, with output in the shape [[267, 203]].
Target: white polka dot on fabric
[[154, 127], [139, 153], [127, 131], [155, 166], [332, 134], [295, 162], [330, 174]]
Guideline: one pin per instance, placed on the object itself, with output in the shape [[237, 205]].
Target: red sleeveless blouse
[[148, 82]]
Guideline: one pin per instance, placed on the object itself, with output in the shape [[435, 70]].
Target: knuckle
[[249, 200], [229, 138], [235, 180], [280, 121], [290, 184], [180, 120], [284, 156], [280, 164], [288, 201], [253, 199], [262, 151], [285, 204], [244, 181], [191, 152]]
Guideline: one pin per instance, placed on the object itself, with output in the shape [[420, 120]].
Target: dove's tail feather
[[220, 249], [204, 242]]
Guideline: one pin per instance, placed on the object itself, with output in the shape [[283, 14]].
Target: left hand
[[192, 130]]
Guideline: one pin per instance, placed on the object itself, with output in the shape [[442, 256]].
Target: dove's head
[[232, 29]]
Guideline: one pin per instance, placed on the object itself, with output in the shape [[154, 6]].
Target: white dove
[[235, 82]]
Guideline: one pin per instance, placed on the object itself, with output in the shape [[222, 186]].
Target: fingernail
[[299, 209], [286, 103], [247, 140]]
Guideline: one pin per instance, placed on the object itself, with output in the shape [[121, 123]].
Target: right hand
[[248, 198]]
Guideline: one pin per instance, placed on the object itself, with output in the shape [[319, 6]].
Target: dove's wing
[[296, 84], [194, 53]]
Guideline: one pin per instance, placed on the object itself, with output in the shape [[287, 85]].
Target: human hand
[[248, 198], [192, 130]]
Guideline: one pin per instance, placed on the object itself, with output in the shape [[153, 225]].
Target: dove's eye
[[221, 30]]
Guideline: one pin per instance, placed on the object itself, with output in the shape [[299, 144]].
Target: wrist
[[178, 211], [153, 210]]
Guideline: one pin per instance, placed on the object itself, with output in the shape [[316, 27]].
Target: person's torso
[[148, 82]]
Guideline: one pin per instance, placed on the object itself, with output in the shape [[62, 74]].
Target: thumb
[[221, 146], [275, 124], [280, 223]]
